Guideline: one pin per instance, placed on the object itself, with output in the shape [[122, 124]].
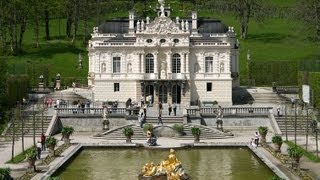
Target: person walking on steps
[[174, 109], [43, 142], [160, 120], [169, 109], [39, 149]]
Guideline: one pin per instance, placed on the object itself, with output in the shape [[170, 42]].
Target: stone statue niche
[[163, 71]]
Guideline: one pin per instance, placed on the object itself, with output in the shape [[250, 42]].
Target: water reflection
[[201, 164]]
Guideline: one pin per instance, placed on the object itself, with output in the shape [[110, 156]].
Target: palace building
[[179, 60]]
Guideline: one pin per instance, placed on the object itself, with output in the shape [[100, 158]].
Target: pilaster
[[156, 64]]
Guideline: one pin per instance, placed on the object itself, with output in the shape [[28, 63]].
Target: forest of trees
[[17, 15]]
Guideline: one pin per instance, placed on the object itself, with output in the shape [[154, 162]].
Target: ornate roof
[[121, 26]]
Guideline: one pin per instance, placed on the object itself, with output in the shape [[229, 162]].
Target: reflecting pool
[[200, 164]]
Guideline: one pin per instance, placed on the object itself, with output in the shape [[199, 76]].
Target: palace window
[[116, 64], [176, 41], [209, 87], [176, 63], [149, 63], [209, 64], [149, 40], [103, 67], [116, 87]]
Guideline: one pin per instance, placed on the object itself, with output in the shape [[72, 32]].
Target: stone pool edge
[[75, 149]]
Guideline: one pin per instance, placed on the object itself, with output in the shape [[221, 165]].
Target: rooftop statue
[[169, 169], [161, 2]]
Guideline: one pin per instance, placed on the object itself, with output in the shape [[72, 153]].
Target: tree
[[246, 9], [309, 12]]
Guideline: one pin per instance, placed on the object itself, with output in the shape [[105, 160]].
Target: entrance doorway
[[176, 94], [163, 94], [149, 91]]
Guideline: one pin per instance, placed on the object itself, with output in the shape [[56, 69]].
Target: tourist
[[39, 145], [160, 120], [256, 138], [58, 103], [142, 101], [169, 109], [252, 143], [292, 102], [160, 108], [145, 110], [141, 120], [152, 139], [43, 142], [174, 109], [278, 111]]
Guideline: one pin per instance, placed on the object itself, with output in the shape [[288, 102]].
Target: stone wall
[[92, 124], [104, 90], [240, 122], [221, 91]]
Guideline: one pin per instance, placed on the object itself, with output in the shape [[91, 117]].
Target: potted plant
[[178, 129], [277, 141], [196, 133], [128, 132], [295, 152], [263, 130], [31, 155], [66, 132], [51, 143], [5, 173]]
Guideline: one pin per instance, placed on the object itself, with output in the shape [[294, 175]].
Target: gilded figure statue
[[169, 169]]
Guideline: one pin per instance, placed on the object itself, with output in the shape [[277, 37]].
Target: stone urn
[[196, 138]]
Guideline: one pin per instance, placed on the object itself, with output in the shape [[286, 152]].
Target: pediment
[[162, 25]]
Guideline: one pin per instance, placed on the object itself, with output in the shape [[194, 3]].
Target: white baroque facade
[[182, 61]]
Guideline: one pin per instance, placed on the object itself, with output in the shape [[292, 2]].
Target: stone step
[[206, 133]]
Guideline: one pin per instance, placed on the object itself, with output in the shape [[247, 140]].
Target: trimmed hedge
[[281, 72]]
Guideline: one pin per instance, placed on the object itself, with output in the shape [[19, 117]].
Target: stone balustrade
[[93, 111], [230, 111]]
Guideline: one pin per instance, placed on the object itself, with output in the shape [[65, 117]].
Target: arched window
[[176, 63], [103, 67], [149, 63]]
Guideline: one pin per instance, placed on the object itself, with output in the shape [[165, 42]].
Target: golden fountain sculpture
[[169, 169]]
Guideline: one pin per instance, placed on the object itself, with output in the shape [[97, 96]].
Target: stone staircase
[[28, 126], [67, 96], [266, 97], [165, 119], [206, 132], [290, 120]]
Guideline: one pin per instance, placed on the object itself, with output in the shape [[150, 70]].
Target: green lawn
[[272, 39]]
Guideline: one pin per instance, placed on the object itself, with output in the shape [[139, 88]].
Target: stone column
[[156, 64], [183, 63], [140, 63], [187, 63], [143, 62], [169, 61]]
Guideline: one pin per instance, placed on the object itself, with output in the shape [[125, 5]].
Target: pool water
[[200, 164]]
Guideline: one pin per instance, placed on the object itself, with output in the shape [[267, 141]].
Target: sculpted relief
[[163, 25]]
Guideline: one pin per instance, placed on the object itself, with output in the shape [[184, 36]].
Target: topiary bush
[[178, 128]]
